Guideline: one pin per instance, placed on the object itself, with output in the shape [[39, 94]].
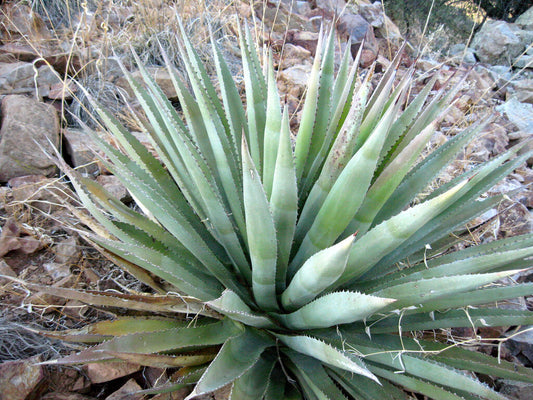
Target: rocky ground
[[40, 53]]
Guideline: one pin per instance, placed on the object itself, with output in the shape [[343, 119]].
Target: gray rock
[[517, 390], [521, 345], [498, 42], [354, 26], [29, 130], [501, 73], [80, 149], [524, 61], [525, 21], [523, 90], [520, 114], [461, 54], [23, 77], [373, 13]]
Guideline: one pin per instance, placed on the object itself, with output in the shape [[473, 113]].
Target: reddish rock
[[107, 371], [21, 379], [12, 239]]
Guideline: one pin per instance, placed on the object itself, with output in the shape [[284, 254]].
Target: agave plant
[[305, 268]]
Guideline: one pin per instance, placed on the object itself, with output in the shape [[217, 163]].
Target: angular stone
[[113, 185], [38, 192], [497, 42], [353, 26], [523, 90], [107, 371], [6, 270], [66, 396], [67, 251], [524, 61], [525, 21], [80, 149], [57, 271], [127, 391], [517, 390], [21, 379], [29, 130], [373, 13], [307, 40], [18, 20], [520, 114], [294, 55], [521, 345], [161, 76], [13, 237]]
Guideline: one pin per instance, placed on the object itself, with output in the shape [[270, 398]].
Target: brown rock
[[279, 18], [29, 129], [357, 29], [353, 26], [80, 149], [515, 219], [107, 371], [21, 379]]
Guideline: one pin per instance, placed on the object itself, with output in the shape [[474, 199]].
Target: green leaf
[[261, 235], [284, 202], [312, 372], [416, 385], [317, 274], [273, 126], [390, 234], [305, 132], [327, 354], [232, 305], [158, 341], [339, 155], [252, 384], [467, 318], [421, 290], [334, 309], [235, 358], [256, 96], [341, 205]]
